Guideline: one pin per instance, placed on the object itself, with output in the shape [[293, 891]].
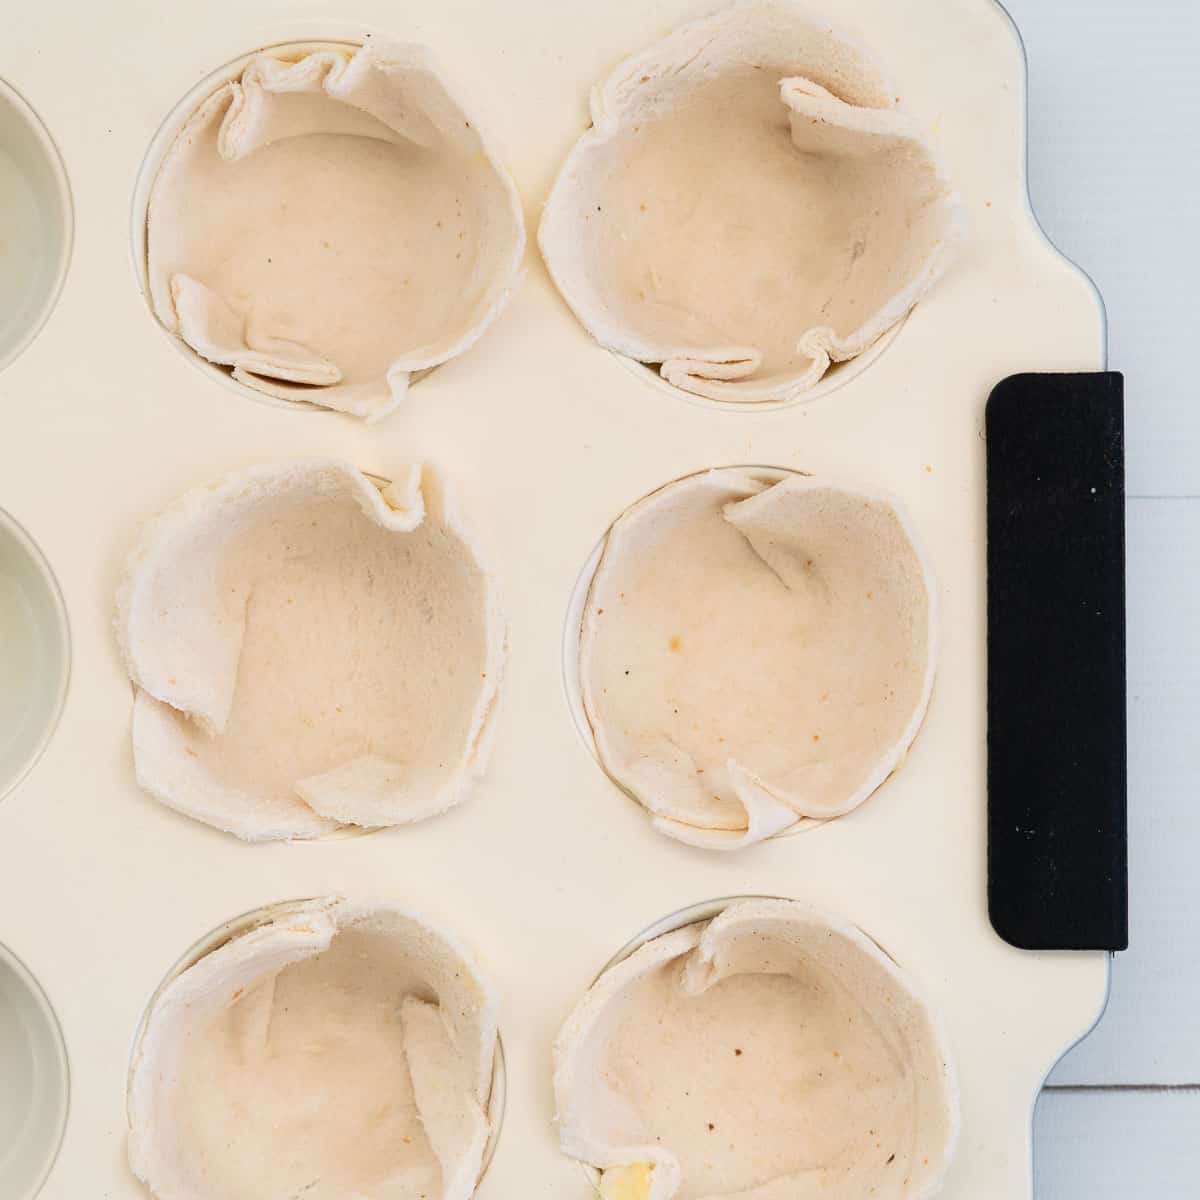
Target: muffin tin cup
[[35, 1094], [35, 653], [36, 224], [316, 35], [693, 914], [236, 927], [348, 830]]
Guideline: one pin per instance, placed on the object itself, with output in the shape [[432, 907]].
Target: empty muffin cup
[[35, 224], [756, 1047], [323, 223], [750, 651], [35, 1090], [318, 1047], [35, 653]]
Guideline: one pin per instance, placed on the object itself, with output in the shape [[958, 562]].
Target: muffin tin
[[546, 438]]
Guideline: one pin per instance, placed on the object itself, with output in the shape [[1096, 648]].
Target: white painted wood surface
[[1113, 109], [1114, 99], [1123, 1145]]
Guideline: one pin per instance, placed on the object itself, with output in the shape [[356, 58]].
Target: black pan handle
[[1057, 849]]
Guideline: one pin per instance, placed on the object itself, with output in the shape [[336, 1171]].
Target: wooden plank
[[1106, 174], [1102, 1145], [1148, 1033]]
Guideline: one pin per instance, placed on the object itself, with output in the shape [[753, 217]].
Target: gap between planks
[[1147, 1088]]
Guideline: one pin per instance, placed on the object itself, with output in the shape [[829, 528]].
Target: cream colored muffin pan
[[547, 868]]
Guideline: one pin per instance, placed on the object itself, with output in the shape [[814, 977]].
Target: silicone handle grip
[[1057, 851]]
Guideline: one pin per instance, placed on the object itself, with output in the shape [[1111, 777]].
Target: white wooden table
[[1113, 108]]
